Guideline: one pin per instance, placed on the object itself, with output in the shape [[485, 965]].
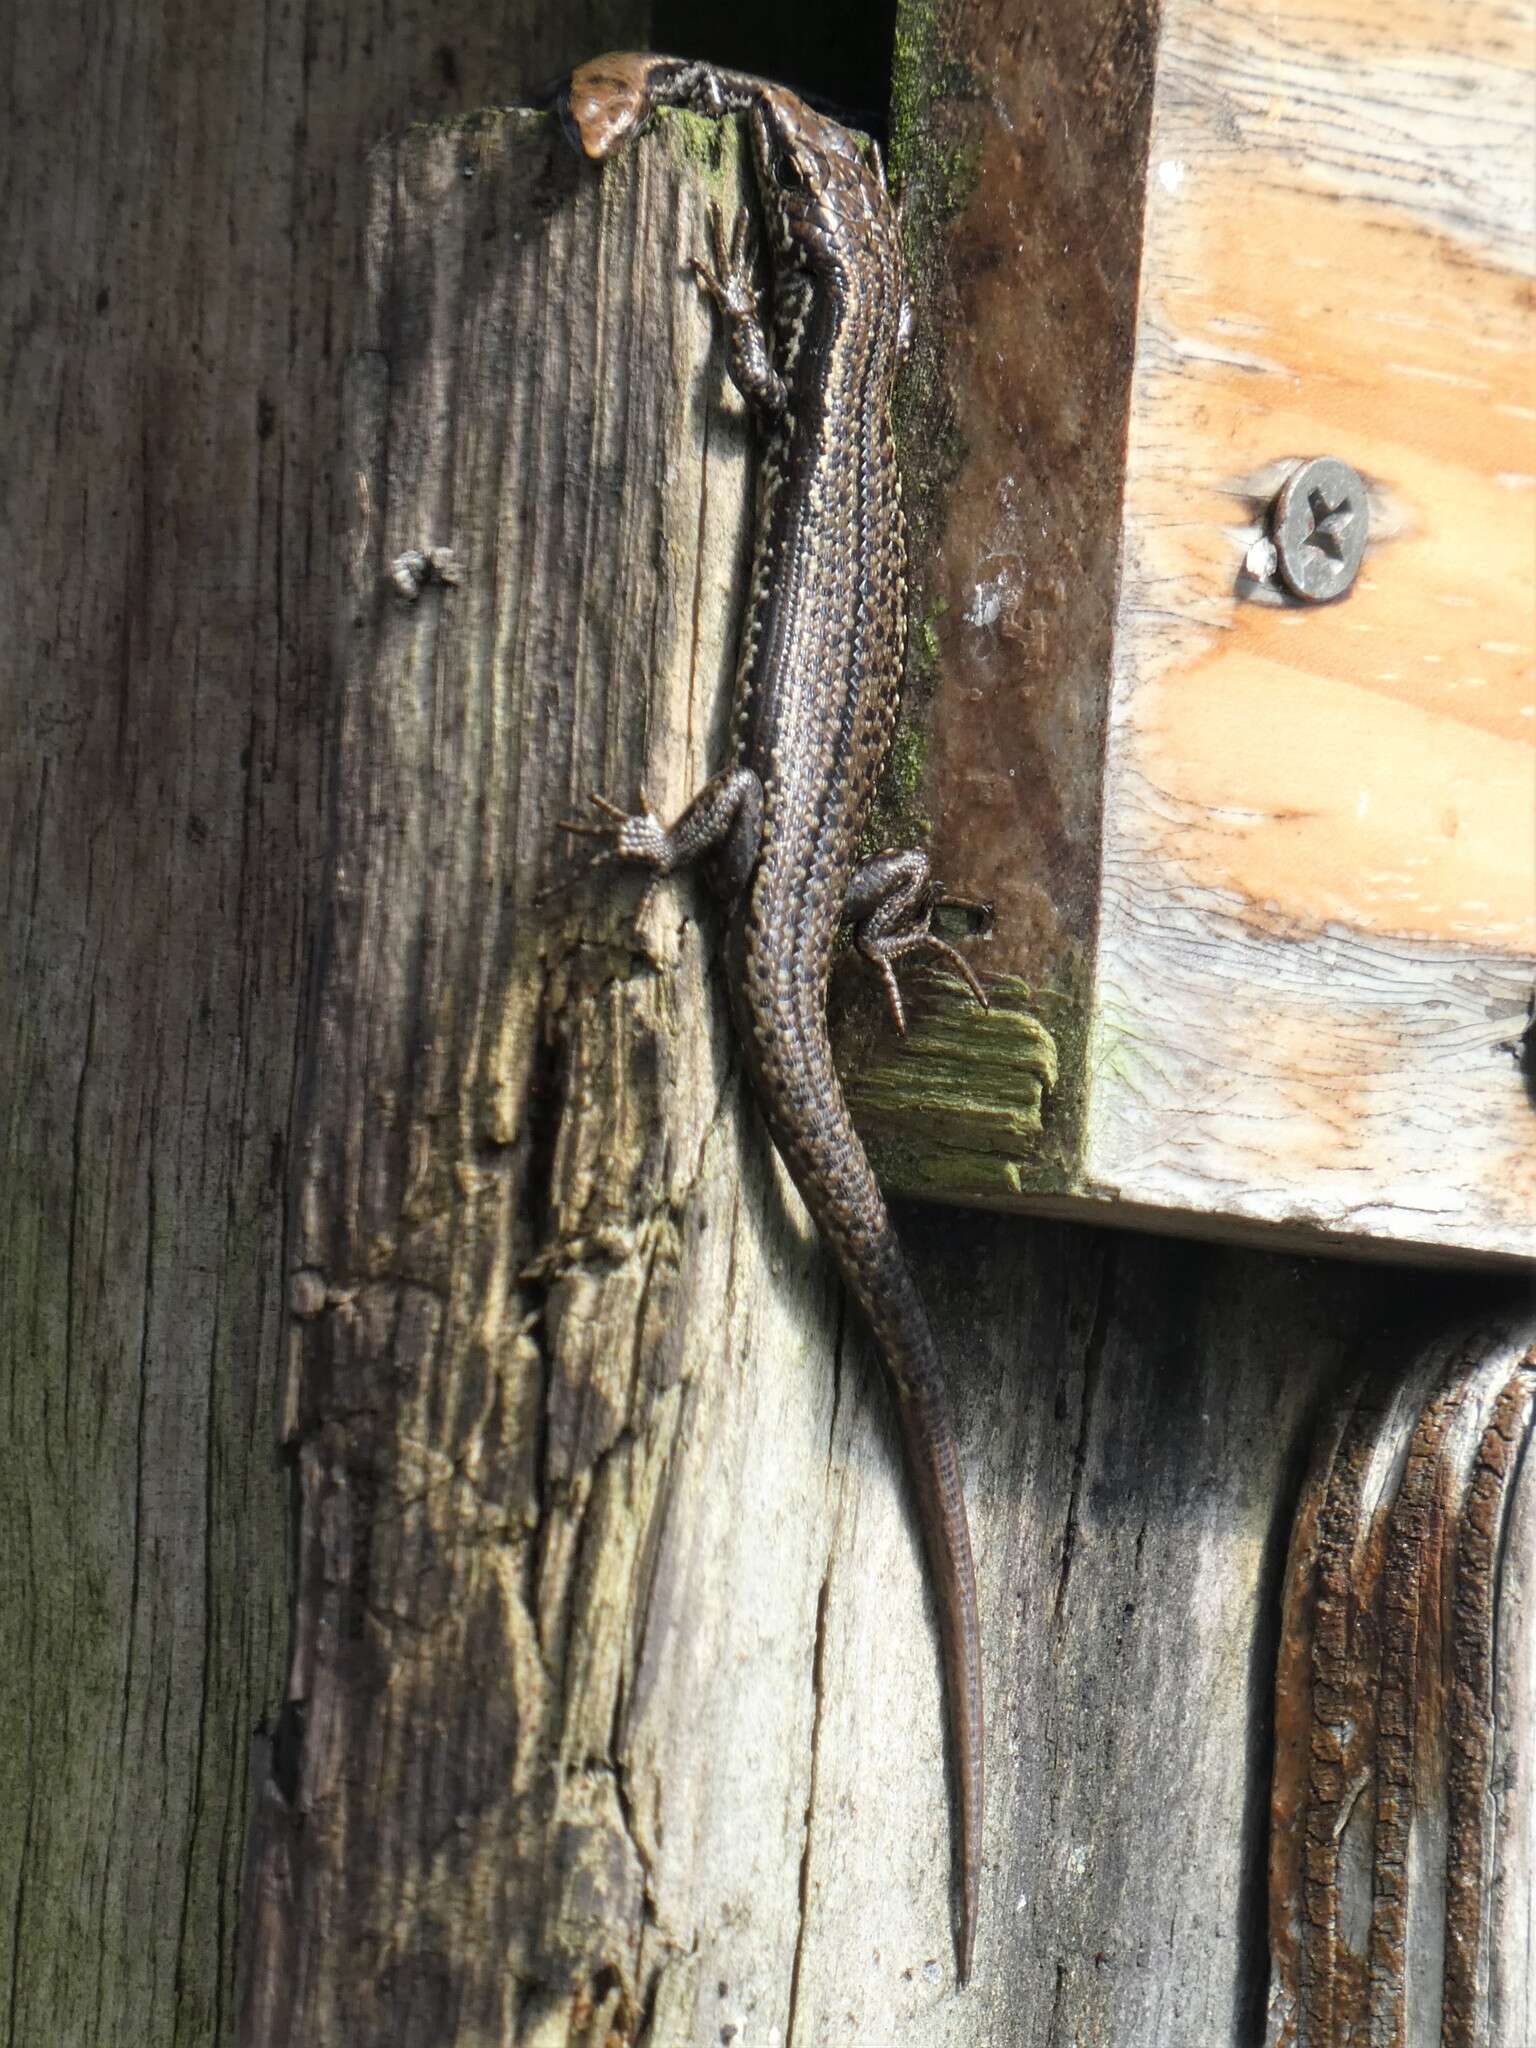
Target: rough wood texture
[[182, 190], [1019, 139], [1300, 951], [529, 1265], [1135, 1414], [1403, 1898], [1318, 933]]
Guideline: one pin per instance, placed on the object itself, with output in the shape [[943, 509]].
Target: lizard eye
[[787, 175]]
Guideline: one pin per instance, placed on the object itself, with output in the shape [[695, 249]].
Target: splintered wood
[[1307, 960], [1402, 1909]]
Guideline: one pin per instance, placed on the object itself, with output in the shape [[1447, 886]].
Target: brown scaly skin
[[817, 689]]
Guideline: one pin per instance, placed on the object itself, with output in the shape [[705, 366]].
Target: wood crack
[[818, 1697], [1093, 1360]]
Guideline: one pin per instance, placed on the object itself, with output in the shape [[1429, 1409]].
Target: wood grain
[[1135, 1415], [615, 1700], [1319, 907], [558, 1527]]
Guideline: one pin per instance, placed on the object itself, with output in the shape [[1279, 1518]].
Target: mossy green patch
[[700, 138], [955, 1108], [896, 818]]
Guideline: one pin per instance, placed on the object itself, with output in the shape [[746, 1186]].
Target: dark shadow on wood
[[839, 57]]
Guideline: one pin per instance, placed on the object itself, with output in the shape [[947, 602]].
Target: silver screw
[[1321, 523]]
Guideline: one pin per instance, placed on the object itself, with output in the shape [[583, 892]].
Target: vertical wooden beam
[[551, 1492], [1020, 137]]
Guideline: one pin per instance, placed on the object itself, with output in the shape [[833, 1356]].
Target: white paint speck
[[1516, 480], [1170, 174], [1362, 803], [1261, 559], [986, 605]]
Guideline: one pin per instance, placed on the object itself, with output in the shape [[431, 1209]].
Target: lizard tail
[[798, 1087], [911, 1358]]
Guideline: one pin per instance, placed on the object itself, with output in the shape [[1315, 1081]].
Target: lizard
[[818, 680]]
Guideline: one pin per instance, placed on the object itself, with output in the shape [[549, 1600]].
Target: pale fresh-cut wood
[[1318, 932]]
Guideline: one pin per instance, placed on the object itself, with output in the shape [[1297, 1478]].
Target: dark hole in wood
[[838, 57]]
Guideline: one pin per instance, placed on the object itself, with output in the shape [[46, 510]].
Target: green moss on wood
[[700, 139], [956, 1107]]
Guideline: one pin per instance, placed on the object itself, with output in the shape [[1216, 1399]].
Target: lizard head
[[822, 192]]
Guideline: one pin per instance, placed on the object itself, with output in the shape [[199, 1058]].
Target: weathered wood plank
[[1019, 146], [1274, 861], [1319, 890], [560, 1533], [182, 189]]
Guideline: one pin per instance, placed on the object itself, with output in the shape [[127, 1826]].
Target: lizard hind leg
[[892, 900]]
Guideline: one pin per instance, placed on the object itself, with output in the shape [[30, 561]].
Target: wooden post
[[557, 1520]]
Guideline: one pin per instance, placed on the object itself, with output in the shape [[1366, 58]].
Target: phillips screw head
[[1320, 523]]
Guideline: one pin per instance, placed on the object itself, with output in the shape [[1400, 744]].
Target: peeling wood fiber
[[1402, 1902]]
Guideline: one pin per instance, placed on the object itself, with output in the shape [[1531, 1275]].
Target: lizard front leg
[[724, 820], [730, 285]]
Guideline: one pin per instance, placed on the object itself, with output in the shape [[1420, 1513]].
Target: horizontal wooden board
[[1316, 878]]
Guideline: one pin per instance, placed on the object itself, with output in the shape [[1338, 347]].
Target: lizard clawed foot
[[729, 284], [893, 1002], [883, 953], [637, 836]]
